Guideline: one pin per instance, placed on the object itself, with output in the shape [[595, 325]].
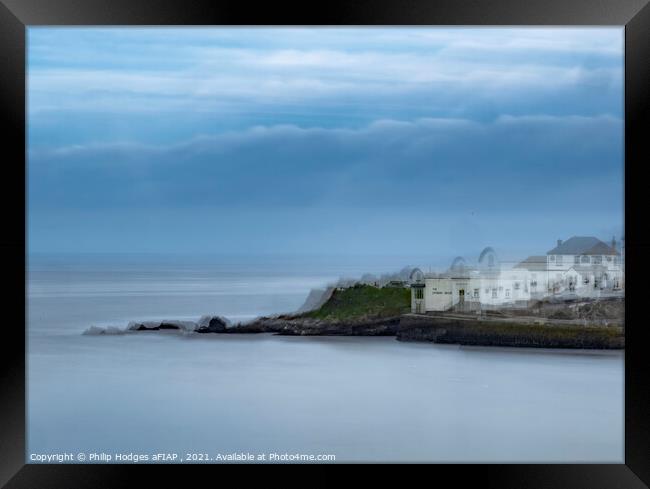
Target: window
[[598, 259], [558, 260], [616, 260], [609, 258], [476, 293], [494, 293], [507, 292], [552, 257], [419, 293], [576, 259], [516, 286], [584, 259], [487, 291]]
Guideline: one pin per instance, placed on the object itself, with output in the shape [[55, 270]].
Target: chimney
[[559, 242]]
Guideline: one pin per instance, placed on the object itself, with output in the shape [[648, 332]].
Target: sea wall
[[509, 333]]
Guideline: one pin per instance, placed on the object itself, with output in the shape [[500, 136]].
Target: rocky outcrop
[[207, 324], [551, 323], [161, 325], [292, 325], [212, 324], [598, 310]]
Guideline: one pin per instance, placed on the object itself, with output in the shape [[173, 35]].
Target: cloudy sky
[[338, 141]]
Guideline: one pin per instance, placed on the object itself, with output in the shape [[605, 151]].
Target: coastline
[[372, 311], [577, 324], [445, 329]]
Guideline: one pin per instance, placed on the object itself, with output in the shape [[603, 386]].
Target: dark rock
[[161, 325], [562, 314], [290, 326], [578, 308], [144, 326], [212, 324], [168, 326]]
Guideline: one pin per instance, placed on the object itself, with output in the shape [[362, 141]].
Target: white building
[[583, 265], [580, 266]]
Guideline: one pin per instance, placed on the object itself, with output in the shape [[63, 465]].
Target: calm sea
[[360, 399]]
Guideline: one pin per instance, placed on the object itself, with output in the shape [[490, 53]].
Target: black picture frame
[[17, 15]]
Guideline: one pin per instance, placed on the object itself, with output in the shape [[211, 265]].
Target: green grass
[[364, 301]]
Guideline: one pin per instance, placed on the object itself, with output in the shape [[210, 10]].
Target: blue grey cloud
[[322, 139], [388, 162]]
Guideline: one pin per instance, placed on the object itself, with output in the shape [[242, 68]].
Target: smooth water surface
[[360, 399]]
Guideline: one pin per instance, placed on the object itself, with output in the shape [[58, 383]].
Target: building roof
[[582, 245], [452, 274], [533, 263]]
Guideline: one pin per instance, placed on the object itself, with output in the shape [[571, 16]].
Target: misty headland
[[380, 306]]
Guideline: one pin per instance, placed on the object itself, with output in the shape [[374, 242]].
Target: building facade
[[578, 267]]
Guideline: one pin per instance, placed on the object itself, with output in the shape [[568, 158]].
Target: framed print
[[372, 235]]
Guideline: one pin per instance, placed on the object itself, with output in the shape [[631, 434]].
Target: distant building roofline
[[533, 263], [582, 245]]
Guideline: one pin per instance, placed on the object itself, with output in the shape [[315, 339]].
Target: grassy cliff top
[[364, 301]]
